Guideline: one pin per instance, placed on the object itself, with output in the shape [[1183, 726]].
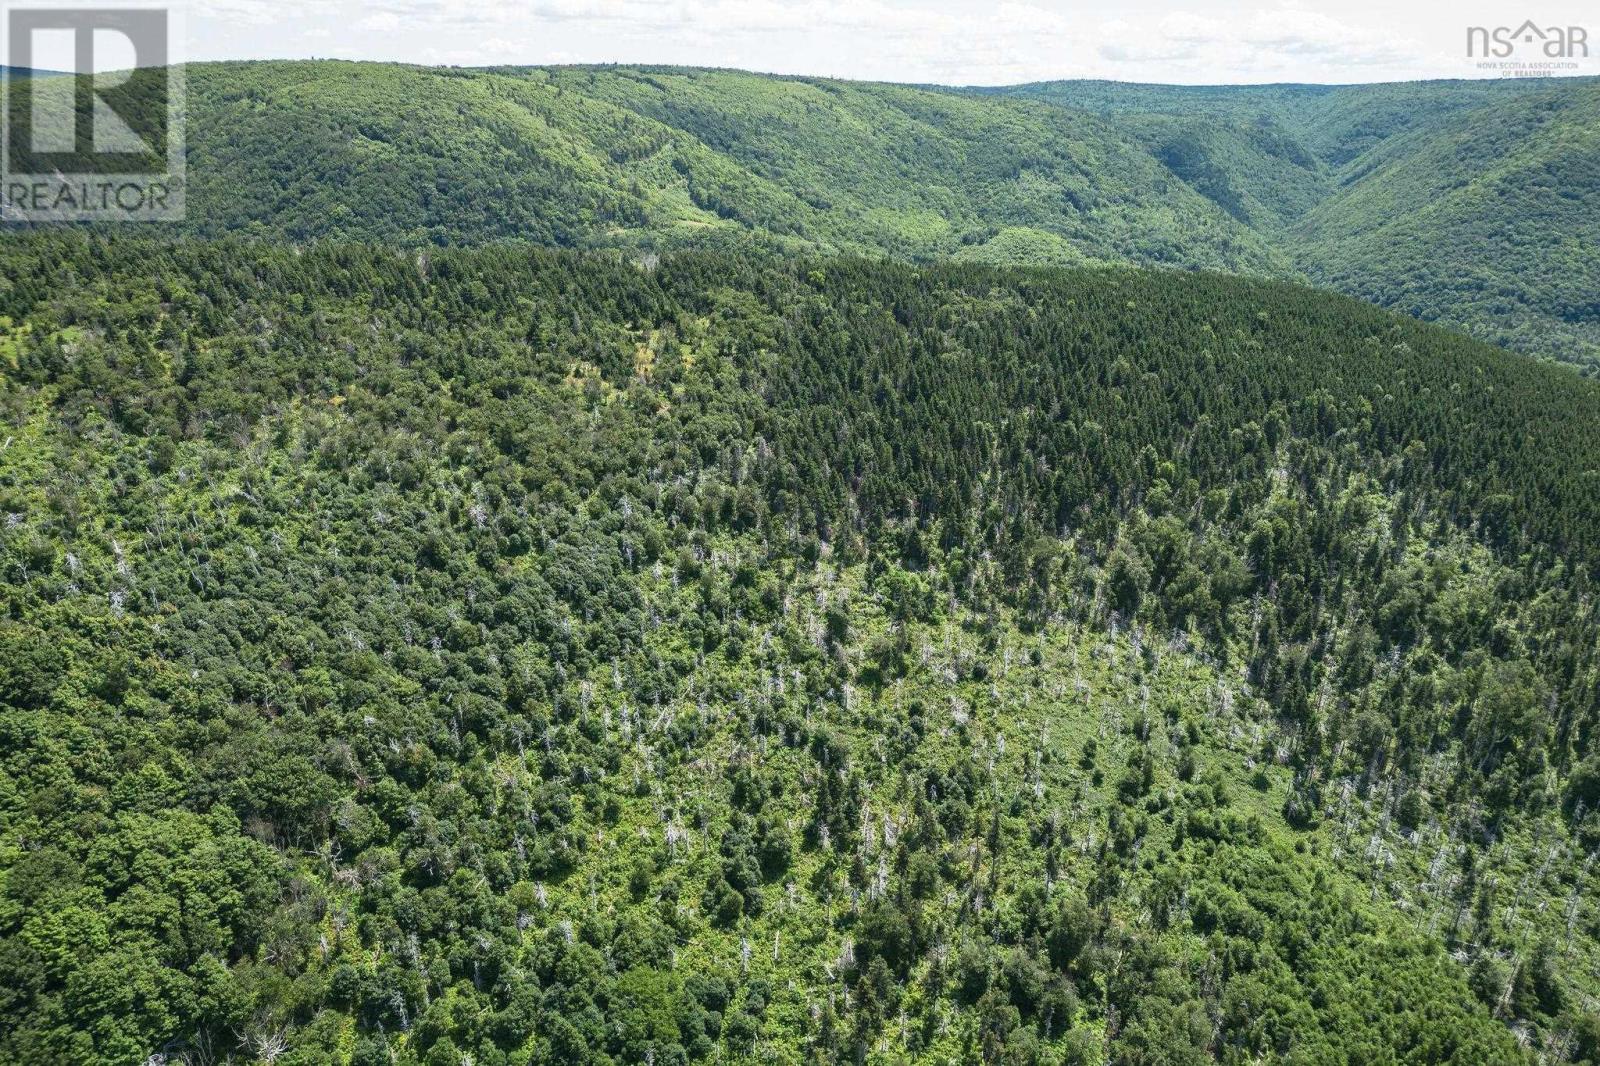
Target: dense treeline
[[521, 656], [1468, 203]]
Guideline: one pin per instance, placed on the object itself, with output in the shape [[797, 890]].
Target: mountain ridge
[[1277, 182]]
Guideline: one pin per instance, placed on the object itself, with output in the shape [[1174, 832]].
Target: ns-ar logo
[[1552, 42]]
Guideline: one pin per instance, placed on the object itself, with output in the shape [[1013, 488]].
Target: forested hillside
[[666, 158], [1506, 197], [506, 655], [1469, 203], [1334, 124]]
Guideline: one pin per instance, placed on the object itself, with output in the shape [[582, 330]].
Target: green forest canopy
[[1467, 203], [532, 656]]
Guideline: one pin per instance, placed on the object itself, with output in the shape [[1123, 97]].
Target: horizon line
[[975, 86]]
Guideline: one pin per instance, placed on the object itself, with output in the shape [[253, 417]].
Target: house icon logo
[[1529, 41]]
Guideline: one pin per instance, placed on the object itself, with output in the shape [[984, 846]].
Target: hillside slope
[[540, 658], [659, 159], [1490, 220], [1334, 124], [1469, 203]]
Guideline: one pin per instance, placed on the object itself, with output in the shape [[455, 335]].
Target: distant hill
[[1469, 203], [28, 72], [1489, 220], [1474, 203], [658, 158], [1334, 123]]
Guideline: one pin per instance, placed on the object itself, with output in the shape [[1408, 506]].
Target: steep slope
[[1333, 123], [306, 150], [918, 173], [539, 657], [1490, 221], [1469, 203], [660, 158], [1254, 172], [1265, 153]]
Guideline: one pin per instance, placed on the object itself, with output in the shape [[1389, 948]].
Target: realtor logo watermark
[[93, 114], [1528, 50]]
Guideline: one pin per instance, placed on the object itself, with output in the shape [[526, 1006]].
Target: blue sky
[[946, 41]]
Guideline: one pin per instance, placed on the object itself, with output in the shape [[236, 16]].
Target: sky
[[955, 42]]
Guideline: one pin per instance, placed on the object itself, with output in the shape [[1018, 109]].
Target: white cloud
[[954, 41], [1261, 41], [1313, 35], [1171, 40], [250, 12], [1191, 28], [381, 22]]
